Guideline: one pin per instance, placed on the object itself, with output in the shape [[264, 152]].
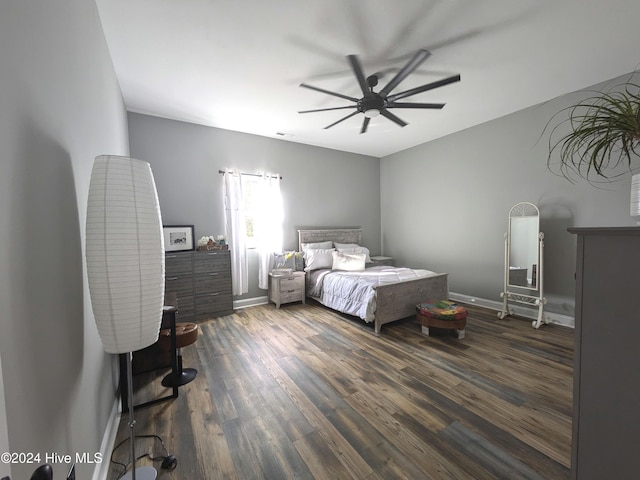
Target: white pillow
[[353, 248], [345, 245], [316, 258], [317, 245], [351, 262]]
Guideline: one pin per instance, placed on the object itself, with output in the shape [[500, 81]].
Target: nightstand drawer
[[288, 297], [291, 283]]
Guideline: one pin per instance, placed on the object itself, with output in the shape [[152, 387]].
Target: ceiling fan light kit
[[373, 104]]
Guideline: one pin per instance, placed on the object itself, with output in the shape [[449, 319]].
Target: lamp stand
[[141, 473]]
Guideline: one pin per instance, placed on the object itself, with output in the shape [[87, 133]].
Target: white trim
[[5, 467], [522, 311], [250, 302], [550, 317], [108, 440]]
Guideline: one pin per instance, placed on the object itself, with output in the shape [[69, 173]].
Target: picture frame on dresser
[[178, 238]]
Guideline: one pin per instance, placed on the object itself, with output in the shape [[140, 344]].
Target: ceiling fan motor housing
[[371, 101]]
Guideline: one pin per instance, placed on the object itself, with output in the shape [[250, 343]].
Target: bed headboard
[[340, 235]]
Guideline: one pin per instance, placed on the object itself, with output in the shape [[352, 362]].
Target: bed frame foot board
[[398, 300]]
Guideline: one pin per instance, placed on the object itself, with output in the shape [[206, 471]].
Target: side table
[[379, 260], [286, 288]]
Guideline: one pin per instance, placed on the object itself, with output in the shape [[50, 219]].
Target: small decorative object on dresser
[[286, 288]]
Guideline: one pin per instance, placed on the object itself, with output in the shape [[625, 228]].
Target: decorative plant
[[604, 134]]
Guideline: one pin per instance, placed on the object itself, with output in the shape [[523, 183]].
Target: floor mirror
[[523, 261]]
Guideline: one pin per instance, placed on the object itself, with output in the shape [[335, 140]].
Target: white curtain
[[268, 225], [235, 230]]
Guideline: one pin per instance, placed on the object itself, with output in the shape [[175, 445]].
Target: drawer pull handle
[[214, 294], [213, 274], [173, 278], [290, 291]]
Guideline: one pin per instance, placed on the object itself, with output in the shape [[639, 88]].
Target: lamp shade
[[125, 253]]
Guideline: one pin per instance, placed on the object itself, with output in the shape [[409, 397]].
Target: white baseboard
[[106, 447], [250, 302], [522, 311]]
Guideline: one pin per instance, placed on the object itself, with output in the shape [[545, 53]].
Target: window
[[249, 197]]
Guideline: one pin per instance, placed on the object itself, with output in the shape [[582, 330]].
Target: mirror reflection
[[523, 251]]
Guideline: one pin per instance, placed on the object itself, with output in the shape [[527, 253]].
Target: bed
[[392, 293]]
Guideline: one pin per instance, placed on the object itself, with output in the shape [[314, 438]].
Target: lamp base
[[180, 378], [142, 473]]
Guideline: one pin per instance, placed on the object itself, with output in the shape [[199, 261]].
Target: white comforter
[[353, 292]]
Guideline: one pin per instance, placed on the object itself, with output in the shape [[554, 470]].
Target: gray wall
[[445, 204], [60, 106], [321, 187]]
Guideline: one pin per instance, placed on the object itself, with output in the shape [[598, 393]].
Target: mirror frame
[[524, 210]]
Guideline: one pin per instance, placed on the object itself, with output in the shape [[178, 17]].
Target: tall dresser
[[606, 379], [202, 283]]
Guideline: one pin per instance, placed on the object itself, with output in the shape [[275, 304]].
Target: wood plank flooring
[[306, 393]]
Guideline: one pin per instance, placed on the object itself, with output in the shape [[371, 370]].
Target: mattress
[[354, 293]]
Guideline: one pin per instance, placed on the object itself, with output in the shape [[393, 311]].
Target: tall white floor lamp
[[125, 265]]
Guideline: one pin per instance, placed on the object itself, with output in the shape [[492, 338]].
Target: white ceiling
[[237, 64]]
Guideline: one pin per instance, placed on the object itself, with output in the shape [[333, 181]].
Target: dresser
[[286, 288], [202, 283], [606, 379]]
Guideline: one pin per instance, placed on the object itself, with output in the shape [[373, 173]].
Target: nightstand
[[286, 288], [379, 260]]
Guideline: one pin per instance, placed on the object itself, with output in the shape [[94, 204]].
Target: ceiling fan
[[373, 104]]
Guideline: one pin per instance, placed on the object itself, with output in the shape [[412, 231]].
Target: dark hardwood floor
[[306, 393]]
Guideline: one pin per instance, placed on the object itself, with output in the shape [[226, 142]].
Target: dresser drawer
[[213, 304], [205, 262], [177, 263], [212, 282], [181, 284], [186, 309]]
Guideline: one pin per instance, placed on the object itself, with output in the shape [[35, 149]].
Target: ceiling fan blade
[[357, 69], [423, 88], [386, 113], [365, 124], [415, 105], [327, 109], [342, 119], [416, 60], [328, 92]]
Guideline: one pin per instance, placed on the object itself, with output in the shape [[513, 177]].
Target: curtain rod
[[222, 172]]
